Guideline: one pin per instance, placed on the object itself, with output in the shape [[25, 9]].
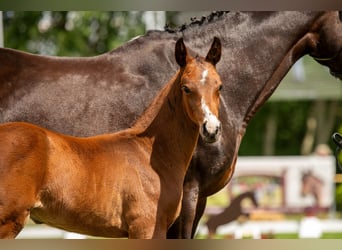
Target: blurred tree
[[277, 129], [70, 33]]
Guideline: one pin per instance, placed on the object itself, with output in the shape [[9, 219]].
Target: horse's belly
[[79, 215], [83, 222]]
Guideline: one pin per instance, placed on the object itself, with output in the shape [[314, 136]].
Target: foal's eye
[[186, 89]]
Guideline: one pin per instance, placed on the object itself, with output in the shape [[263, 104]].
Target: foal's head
[[201, 85]]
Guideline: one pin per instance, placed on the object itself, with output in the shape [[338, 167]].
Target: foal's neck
[[166, 124]]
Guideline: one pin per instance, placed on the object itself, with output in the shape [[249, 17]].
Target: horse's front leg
[[148, 233], [182, 228], [143, 228], [11, 226], [201, 204]]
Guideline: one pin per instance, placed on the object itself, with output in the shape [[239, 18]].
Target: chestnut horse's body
[[114, 185], [87, 96]]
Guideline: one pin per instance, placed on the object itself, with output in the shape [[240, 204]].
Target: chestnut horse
[[114, 185], [95, 95]]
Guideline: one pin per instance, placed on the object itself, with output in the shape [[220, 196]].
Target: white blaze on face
[[212, 123], [204, 76]]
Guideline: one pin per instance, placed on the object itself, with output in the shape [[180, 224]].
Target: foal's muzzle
[[211, 132]]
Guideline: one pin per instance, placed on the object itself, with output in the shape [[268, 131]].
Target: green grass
[[295, 236]]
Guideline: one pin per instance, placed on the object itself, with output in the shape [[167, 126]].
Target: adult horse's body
[[114, 185], [84, 96]]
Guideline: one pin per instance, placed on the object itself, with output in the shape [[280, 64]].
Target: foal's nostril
[[205, 131], [218, 128]]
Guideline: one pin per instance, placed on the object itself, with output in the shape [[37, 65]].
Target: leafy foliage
[[70, 33], [290, 118]]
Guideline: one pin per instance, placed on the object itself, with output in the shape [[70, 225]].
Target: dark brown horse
[[128, 183], [87, 96], [229, 214]]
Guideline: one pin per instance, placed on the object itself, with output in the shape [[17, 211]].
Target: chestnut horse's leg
[[147, 230], [147, 225], [11, 223], [23, 161], [144, 232], [15, 204]]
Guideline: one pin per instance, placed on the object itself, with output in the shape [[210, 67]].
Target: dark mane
[[196, 21], [170, 33]]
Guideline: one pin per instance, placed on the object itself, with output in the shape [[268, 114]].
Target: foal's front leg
[[10, 227], [143, 230], [144, 221]]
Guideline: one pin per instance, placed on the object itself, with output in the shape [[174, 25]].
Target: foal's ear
[[181, 52], [214, 54]]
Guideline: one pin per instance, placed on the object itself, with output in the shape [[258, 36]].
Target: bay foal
[[125, 184]]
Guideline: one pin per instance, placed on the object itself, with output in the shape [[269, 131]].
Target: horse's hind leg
[[17, 198], [11, 223], [16, 201], [15, 206], [23, 160]]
